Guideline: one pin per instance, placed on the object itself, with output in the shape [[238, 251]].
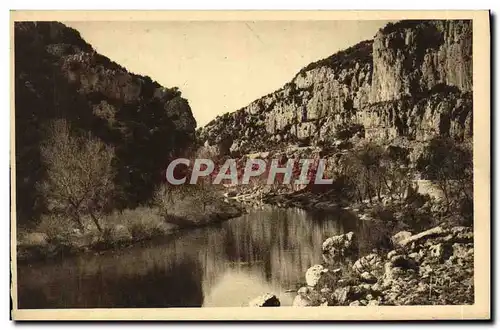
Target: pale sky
[[222, 66]]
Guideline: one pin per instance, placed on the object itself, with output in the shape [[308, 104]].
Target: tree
[[79, 177], [451, 166], [203, 193], [372, 172]]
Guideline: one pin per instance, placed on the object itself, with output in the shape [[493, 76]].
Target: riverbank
[[411, 251], [121, 229], [433, 267]]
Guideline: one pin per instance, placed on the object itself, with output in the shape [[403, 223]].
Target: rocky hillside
[[59, 75], [412, 82]]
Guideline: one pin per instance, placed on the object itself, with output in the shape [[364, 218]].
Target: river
[[225, 265]]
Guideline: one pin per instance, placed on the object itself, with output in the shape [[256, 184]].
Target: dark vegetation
[[359, 53], [92, 144], [59, 76]]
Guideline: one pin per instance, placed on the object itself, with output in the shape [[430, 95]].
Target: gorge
[[382, 113]]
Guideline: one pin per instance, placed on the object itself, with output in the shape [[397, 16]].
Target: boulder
[[440, 251], [314, 273], [433, 232], [339, 245], [265, 300], [391, 254], [462, 234], [368, 277], [342, 295], [398, 238], [462, 251], [368, 263], [302, 299]]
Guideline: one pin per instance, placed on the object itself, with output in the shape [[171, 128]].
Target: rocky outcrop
[[59, 75], [434, 267], [412, 57], [412, 82]]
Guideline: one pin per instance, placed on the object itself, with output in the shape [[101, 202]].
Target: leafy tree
[[451, 166], [79, 177], [373, 172]]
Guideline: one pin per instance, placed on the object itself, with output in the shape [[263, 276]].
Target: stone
[[433, 232], [265, 300], [462, 250], [326, 290], [462, 234], [415, 256], [376, 288], [391, 254], [355, 303], [403, 262], [440, 251], [336, 271], [368, 277], [302, 299], [339, 245], [342, 295], [314, 273], [400, 237], [367, 263], [373, 303]]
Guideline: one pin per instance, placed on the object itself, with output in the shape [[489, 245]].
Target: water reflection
[[225, 265]]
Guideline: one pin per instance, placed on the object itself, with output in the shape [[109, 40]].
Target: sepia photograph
[[171, 165]]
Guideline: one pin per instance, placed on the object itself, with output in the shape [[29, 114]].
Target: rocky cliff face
[[411, 83], [59, 75]]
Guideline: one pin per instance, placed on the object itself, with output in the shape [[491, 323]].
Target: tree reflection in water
[[223, 265]]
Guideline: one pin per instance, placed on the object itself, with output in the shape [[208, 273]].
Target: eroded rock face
[[413, 81], [413, 56]]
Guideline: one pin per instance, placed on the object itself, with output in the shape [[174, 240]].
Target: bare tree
[[79, 180]]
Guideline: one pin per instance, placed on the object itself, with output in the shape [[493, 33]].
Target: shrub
[[347, 131], [144, 222], [57, 228], [375, 235], [450, 165]]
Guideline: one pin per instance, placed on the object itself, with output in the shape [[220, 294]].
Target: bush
[[57, 228], [375, 235], [142, 223], [347, 131]]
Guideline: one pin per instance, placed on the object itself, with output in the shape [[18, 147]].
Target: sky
[[222, 66]]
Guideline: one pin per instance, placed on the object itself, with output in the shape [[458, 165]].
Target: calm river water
[[225, 265]]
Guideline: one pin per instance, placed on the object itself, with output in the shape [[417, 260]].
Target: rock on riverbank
[[434, 267]]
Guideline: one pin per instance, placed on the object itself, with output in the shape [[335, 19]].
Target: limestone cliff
[[413, 81]]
